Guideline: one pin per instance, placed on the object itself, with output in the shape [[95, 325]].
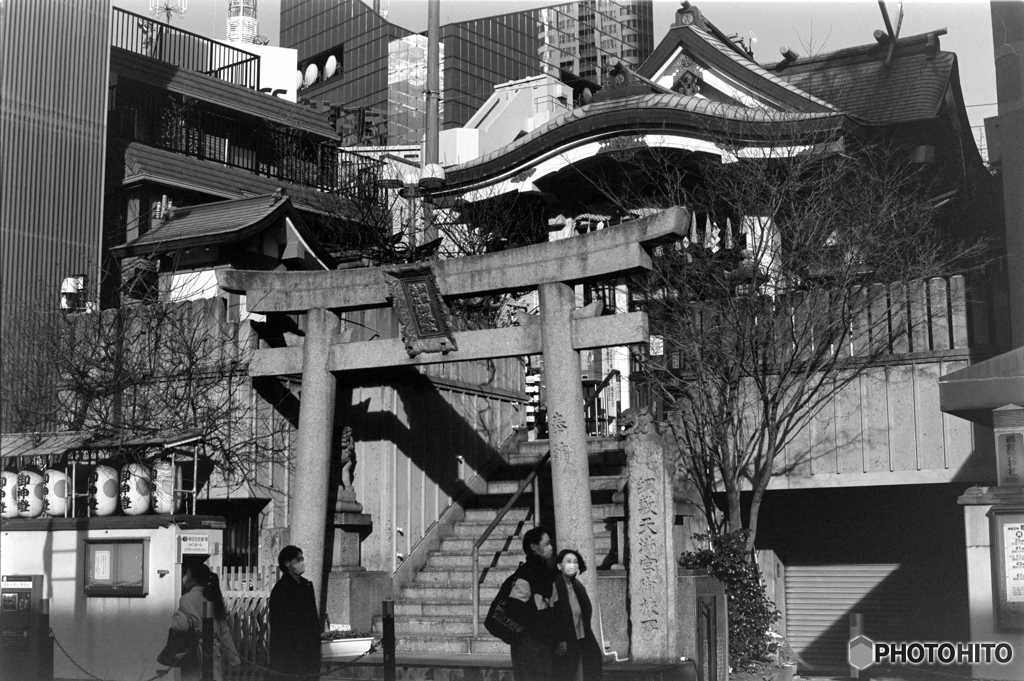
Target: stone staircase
[[434, 614]]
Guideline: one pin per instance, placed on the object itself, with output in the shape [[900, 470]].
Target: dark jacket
[[532, 654], [294, 627], [587, 648]]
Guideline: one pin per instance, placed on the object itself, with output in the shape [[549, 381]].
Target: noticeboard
[[1006, 527]]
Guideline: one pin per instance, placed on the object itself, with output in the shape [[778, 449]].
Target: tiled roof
[[659, 112], [216, 91], [704, 45], [209, 177], [858, 82], [213, 221], [218, 223], [41, 444]]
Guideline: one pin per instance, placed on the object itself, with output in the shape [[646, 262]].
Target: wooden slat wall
[[886, 426]]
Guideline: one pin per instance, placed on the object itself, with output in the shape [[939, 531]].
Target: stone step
[[441, 593], [606, 481], [505, 559], [451, 645], [486, 515], [464, 545], [409, 608], [462, 576], [430, 626]]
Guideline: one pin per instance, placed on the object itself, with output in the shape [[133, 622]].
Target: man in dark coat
[[532, 654], [294, 620]]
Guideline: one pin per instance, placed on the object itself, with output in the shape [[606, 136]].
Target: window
[[117, 567]]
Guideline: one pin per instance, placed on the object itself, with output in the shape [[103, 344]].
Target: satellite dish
[[330, 67], [311, 73], [298, 79]]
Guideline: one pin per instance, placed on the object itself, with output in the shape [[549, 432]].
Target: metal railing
[[531, 478], [142, 35]]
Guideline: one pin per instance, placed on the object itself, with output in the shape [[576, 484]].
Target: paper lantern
[[55, 492], [135, 489], [166, 479], [8, 494], [103, 490], [30, 494]]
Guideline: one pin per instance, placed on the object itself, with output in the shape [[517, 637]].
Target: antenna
[[168, 8]]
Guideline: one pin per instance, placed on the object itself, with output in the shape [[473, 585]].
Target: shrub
[[751, 612]]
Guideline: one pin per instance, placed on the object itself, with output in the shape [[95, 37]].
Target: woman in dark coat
[[294, 620], [577, 656]]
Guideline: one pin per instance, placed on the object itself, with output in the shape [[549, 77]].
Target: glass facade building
[[573, 41]]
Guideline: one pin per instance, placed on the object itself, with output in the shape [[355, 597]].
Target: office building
[[367, 81]]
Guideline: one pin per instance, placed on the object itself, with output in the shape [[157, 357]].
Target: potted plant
[[336, 645]]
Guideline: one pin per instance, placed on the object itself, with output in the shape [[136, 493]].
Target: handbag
[[505, 618], [183, 649]]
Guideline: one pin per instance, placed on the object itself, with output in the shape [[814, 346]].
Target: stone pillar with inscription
[[652, 555], [570, 468]]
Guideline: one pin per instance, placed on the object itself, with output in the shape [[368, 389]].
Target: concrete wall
[[110, 637]]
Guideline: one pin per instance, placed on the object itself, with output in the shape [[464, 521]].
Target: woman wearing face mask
[[294, 621], [200, 585], [577, 655]]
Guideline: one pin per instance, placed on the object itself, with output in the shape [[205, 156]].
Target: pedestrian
[[534, 588], [577, 656], [294, 620], [199, 585]]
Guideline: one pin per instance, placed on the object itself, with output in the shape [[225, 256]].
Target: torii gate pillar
[[313, 455], [570, 469]]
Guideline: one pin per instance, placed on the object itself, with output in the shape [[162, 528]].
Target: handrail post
[[536, 500], [476, 591]]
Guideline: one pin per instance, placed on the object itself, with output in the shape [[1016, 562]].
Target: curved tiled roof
[[660, 113]]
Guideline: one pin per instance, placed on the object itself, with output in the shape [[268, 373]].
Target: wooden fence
[[247, 597]]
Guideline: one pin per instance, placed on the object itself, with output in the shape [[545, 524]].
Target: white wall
[[112, 638]]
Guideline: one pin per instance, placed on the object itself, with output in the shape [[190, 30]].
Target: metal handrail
[[531, 478]]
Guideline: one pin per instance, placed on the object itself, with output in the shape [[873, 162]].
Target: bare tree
[[141, 370], [801, 271]]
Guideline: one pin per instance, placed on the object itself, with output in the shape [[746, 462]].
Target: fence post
[[388, 641], [207, 668]]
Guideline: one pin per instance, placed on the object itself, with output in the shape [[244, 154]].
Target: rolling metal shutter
[[899, 603]]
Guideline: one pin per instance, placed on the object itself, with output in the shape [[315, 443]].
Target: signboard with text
[[1007, 535]]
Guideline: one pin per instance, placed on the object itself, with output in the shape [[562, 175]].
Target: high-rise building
[[574, 41], [243, 26]]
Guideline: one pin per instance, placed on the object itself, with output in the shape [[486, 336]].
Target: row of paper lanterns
[[134, 490], [312, 71]]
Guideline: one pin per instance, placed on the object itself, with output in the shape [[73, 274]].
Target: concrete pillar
[[309, 486], [570, 470]]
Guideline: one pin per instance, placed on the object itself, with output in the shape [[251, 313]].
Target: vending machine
[[24, 629]]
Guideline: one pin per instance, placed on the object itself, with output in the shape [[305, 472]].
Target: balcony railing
[[142, 35]]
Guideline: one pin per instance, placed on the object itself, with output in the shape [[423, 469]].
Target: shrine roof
[[707, 46], [219, 223], [213, 90], [858, 81], [649, 113]]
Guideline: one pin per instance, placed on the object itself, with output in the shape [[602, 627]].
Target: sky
[[808, 27]]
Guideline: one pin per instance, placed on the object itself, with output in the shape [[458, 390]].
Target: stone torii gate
[[417, 293]]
